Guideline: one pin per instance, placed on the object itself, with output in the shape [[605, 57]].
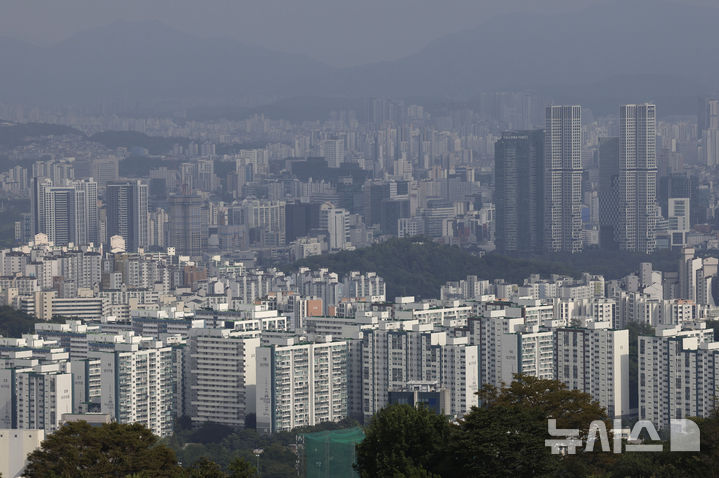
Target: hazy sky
[[339, 32]]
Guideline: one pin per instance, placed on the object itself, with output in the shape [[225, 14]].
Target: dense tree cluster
[[14, 323], [80, 450], [505, 438]]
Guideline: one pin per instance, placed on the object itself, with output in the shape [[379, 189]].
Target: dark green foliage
[[14, 323], [240, 468], [13, 135], [403, 441], [419, 266], [205, 468], [551, 398], [210, 433], [501, 441], [78, 450], [131, 139]]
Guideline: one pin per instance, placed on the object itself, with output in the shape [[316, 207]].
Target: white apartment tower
[[637, 178], [563, 179], [596, 361], [678, 376], [136, 377], [300, 383], [220, 375], [392, 358]]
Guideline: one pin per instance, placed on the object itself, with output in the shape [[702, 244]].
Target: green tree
[[241, 468], [78, 450], [500, 441], [403, 441], [205, 468], [550, 398]]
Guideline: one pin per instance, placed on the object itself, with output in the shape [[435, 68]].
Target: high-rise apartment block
[[300, 383], [136, 380], [595, 360], [220, 375], [563, 179], [678, 376], [637, 178]]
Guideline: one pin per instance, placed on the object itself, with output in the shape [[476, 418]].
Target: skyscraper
[[64, 213], [188, 225], [708, 130], [563, 179], [334, 152], [126, 204], [608, 192], [89, 188], [637, 178], [519, 191]]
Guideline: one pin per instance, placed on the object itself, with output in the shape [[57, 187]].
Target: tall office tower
[[157, 228], [334, 152], [563, 179], [519, 191], [608, 192], [64, 212], [37, 204], [126, 205], [188, 225], [89, 188], [708, 130], [336, 222], [637, 178]]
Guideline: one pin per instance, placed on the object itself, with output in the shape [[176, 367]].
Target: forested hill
[[420, 267]]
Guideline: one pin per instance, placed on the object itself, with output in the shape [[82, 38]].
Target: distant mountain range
[[615, 51]]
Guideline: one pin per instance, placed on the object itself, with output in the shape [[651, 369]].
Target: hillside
[[420, 267], [16, 134]]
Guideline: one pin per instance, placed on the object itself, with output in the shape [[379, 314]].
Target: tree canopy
[[403, 441], [79, 450]]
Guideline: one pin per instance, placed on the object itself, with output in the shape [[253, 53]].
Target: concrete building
[[15, 446], [300, 383], [519, 191], [637, 178], [595, 360], [678, 375], [221, 375], [563, 179], [127, 214], [136, 380]]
